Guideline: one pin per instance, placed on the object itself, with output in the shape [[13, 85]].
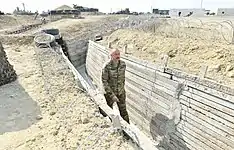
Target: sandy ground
[[8, 22], [44, 108], [195, 47]]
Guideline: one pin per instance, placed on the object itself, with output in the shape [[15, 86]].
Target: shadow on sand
[[18, 111], [164, 130]]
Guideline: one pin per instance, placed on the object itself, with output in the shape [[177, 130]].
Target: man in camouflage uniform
[[113, 80]]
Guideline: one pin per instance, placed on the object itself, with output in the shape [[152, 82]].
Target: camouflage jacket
[[113, 78]]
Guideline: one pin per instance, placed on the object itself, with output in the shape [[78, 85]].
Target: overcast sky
[[106, 5]]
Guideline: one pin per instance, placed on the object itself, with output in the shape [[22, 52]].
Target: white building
[[225, 12], [197, 12]]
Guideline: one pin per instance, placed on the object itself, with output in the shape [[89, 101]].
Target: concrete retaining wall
[[179, 110], [77, 52]]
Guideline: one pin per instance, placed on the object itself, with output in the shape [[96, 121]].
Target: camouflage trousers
[[121, 105]]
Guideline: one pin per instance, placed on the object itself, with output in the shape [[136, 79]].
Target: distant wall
[[188, 112], [184, 12], [225, 12]]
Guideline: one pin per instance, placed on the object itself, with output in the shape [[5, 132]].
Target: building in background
[[64, 10], [225, 12], [160, 12], [197, 12], [1, 13], [86, 10]]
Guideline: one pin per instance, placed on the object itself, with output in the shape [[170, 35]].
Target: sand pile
[[187, 54]]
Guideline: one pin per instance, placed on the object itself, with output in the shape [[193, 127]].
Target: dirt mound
[[187, 54], [16, 39], [7, 21]]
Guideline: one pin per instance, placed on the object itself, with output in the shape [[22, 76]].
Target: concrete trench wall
[[77, 50], [179, 110]]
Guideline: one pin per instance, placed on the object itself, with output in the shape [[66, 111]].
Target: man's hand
[[115, 99]]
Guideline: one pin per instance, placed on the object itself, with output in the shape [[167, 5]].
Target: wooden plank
[[158, 86], [205, 135], [196, 140], [209, 103], [182, 143], [187, 140], [212, 98], [147, 112], [97, 60], [203, 141], [205, 82], [151, 95], [145, 70], [132, 59], [210, 127], [218, 126], [95, 63], [186, 101], [206, 130], [205, 89], [90, 63], [133, 89], [152, 74], [176, 145], [208, 108], [146, 126], [136, 117], [95, 74], [128, 57], [135, 106], [149, 84], [156, 90]]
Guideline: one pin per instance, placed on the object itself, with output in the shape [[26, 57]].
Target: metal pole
[[201, 3]]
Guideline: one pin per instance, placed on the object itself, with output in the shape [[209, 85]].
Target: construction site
[[179, 81]]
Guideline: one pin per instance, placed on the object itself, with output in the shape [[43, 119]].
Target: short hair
[[112, 50]]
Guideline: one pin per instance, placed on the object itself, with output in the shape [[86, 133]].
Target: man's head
[[115, 54]]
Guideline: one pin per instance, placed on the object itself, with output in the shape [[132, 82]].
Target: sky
[[115, 5]]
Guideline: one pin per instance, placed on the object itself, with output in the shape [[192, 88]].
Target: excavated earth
[[44, 108]]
